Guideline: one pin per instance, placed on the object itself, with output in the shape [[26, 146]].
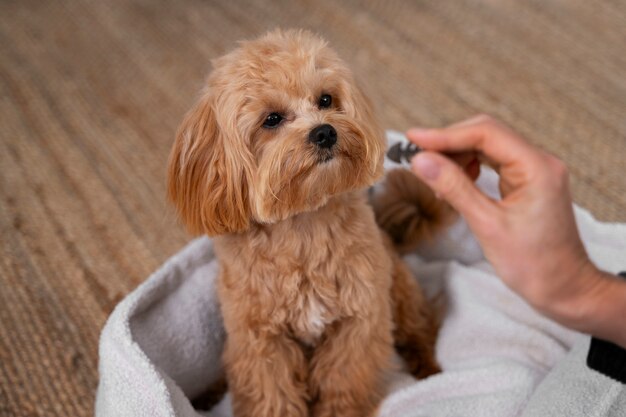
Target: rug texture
[[91, 93]]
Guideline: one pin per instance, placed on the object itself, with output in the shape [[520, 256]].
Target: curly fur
[[408, 211], [309, 286]]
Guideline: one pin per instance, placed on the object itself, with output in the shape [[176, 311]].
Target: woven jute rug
[[91, 93]]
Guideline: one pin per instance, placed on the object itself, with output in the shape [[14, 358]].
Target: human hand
[[530, 235]]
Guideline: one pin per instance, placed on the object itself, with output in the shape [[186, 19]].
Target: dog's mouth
[[325, 155]]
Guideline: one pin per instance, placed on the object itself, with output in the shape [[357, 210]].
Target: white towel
[[162, 344]]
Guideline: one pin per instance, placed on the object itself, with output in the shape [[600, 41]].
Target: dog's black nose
[[324, 136]]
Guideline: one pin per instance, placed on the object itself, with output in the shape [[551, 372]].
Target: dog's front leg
[[348, 370], [267, 375]]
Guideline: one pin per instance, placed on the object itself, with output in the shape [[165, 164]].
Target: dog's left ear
[[361, 108], [208, 173]]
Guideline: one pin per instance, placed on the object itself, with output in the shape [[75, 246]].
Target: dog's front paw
[[420, 363]]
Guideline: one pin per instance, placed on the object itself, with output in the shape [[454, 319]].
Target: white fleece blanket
[[162, 344]]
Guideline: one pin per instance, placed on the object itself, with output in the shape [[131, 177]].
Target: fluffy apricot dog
[[272, 161]]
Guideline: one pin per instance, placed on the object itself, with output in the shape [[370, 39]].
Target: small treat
[[403, 151]]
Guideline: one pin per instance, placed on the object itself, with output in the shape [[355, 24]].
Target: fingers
[[498, 144], [449, 181], [468, 161]]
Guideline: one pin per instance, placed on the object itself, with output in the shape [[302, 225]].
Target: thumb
[[450, 183]]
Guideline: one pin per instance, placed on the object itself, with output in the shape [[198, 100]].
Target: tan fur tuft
[[408, 210]]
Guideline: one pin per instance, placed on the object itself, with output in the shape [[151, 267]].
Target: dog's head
[[280, 127]]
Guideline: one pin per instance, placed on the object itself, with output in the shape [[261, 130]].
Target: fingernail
[[426, 166]]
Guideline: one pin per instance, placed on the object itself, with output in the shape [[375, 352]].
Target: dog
[[272, 161]]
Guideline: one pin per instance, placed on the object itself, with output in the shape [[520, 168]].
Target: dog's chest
[[306, 273], [309, 322]]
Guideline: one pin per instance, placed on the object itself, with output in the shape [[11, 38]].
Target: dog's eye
[[325, 101], [273, 120]]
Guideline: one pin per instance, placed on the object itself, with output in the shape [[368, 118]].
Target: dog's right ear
[[206, 183]]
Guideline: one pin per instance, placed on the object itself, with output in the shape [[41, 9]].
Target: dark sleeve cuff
[[608, 358]]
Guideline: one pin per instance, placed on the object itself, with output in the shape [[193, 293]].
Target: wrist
[[568, 302], [599, 310]]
